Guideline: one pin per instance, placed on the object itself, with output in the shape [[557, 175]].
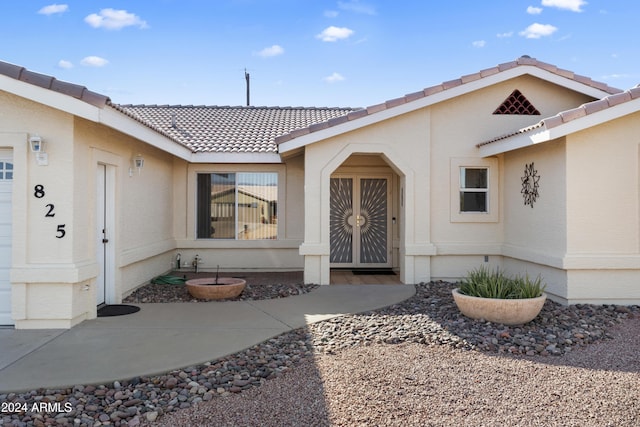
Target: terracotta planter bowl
[[206, 288], [505, 311]]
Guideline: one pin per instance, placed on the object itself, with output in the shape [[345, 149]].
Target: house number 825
[[38, 193]]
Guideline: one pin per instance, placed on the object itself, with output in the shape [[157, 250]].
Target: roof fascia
[[441, 96], [107, 115], [545, 135], [235, 158], [50, 98], [119, 121]]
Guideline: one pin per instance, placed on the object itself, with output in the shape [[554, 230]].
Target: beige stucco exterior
[[582, 234]]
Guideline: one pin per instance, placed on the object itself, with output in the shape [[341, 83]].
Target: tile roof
[[214, 129], [522, 61], [574, 113], [51, 83]]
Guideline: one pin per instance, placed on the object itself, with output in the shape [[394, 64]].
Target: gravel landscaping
[[415, 363]]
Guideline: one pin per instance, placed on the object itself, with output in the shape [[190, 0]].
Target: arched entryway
[[362, 161], [363, 221]]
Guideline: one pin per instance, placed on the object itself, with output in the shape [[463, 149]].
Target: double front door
[[359, 221]]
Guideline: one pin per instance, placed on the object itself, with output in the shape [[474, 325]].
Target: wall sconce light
[[138, 163], [36, 143]]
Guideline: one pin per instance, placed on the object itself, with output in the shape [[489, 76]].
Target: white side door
[[105, 234]]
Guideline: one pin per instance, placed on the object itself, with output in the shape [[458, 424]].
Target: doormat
[[117, 310], [384, 272]]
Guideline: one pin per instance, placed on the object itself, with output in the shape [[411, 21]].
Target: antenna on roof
[[247, 78]]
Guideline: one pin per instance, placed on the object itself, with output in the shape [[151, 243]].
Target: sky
[[322, 53]]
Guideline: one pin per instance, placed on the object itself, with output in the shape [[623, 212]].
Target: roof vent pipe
[[173, 120], [247, 78]]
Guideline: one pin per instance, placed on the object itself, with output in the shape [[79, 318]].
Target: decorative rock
[[429, 318]]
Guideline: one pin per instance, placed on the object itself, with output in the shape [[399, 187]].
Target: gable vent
[[517, 103]]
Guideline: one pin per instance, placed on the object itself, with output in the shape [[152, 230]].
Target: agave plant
[[484, 283]]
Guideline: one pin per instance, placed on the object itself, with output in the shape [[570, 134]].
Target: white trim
[[543, 134], [231, 158], [444, 95], [55, 273]]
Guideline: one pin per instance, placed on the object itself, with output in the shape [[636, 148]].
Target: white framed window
[[6, 171], [237, 206], [474, 190]]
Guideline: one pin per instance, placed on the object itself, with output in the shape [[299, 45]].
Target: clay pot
[[496, 310], [208, 289]]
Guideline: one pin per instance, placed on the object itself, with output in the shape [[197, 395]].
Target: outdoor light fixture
[[37, 146], [138, 163]]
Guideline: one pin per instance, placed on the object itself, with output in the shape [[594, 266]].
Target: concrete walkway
[[163, 337]]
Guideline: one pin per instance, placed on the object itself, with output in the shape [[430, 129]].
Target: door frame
[[105, 233], [356, 204]]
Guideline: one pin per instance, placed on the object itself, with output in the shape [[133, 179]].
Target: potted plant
[[214, 288], [495, 297]]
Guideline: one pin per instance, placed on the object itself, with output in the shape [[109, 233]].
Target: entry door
[[359, 222], [6, 180], [105, 201]]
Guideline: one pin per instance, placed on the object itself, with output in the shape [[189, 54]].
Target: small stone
[[151, 416], [171, 383]]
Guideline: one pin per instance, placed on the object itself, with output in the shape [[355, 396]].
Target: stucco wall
[[536, 231], [144, 202], [54, 275], [602, 188]]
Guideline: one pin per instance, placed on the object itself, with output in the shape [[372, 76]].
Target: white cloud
[[536, 31], [332, 34], [531, 10], [334, 78], [572, 5], [268, 52], [504, 35], [479, 43], [357, 7], [53, 8], [112, 19], [65, 64], [94, 61]]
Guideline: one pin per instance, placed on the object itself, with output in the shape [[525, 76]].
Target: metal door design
[[359, 222]]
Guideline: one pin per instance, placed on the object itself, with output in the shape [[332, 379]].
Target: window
[[6, 171], [473, 189], [237, 206]]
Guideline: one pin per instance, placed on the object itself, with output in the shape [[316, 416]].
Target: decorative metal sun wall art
[[530, 182]]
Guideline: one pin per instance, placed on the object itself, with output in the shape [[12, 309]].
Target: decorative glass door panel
[[359, 222]]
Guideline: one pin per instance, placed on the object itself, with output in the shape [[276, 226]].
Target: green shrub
[[483, 283]]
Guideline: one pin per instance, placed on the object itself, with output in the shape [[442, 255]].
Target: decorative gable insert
[[517, 103]]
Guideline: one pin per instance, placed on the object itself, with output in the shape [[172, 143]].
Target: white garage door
[[6, 179]]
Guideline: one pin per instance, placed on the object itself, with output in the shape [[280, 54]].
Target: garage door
[[6, 179]]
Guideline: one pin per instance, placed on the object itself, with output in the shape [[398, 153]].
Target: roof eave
[[50, 98], [378, 113], [549, 134], [105, 114], [235, 157], [119, 121]]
